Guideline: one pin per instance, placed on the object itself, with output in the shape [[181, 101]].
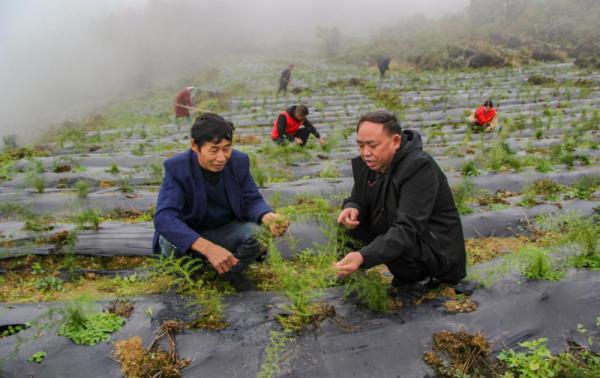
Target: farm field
[[76, 224]]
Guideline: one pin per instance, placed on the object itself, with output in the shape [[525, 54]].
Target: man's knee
[[166, 248]]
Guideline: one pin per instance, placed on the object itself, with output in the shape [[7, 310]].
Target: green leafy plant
[[462, 193], [499, 157], [536, 361], [114, 169], [89, 219], [87, 328], [13, 329], [539, 265], [581, 234], [126, 186], [469, 168], [49, 283], [83, 188], [37, 357], [188, 277], [584, 188], [36, 181], [329, 171], [370, 290], [274, 354]]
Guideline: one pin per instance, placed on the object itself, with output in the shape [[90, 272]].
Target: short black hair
[[489, 103], [210, 127], [388, 120], [302, 109]]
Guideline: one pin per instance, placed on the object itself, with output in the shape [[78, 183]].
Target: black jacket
[[285, 76], [412, 211]]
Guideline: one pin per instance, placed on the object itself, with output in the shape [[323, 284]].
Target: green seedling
[[114, 169], [37, 357], [83, 188], [370, 290], [49, 283]]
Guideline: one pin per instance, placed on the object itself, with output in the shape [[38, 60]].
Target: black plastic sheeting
[[134, 239], [369, 345]]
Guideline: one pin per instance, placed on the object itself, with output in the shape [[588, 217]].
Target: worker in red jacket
[[183, 102], [485, 117], [292, 125]]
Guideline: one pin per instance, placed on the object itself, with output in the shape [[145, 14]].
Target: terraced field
[[79, 212]]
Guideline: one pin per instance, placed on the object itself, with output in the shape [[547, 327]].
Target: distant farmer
[[484, 118], [285, 78], [292, 125], [209, 206], [383, 64], [402, 209], [183, 102]]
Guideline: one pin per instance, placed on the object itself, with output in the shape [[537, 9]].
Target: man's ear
[[194, 146], [396, 140]]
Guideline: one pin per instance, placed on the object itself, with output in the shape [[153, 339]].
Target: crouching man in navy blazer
[[209, 205]]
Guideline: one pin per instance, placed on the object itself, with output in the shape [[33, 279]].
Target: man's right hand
[[349, 218], [298, 140], [220, 258]]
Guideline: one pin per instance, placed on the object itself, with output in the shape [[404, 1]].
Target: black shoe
[[410, 292], [465, 287], [239, 281]]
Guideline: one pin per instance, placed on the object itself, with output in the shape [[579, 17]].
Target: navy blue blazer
[[181, 203]]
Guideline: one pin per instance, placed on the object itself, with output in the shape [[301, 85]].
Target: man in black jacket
[[401, 207], [285, 78], [383, 64]]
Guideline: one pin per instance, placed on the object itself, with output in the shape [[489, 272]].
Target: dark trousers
[[237, 237], [382, 71], [302, 133], [282, 86], [405, 269]]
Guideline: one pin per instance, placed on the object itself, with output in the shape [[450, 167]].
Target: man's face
[[213, 156], [299, 116], [376, 146]]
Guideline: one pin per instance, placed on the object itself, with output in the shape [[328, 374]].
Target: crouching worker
[[402, 210], [209, 206], [484, 118], [292, 126]]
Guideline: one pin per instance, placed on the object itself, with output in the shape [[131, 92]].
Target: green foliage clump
[[114, 169], [302, 281], [462, 193], [126, 186], [581, 234], [539, 266], [536, 361], [88, 328], [89, 219], [14, 329], [500, 157], [370, 290], [36, 181], [469, 168], [185, 276], [49, 283], [83, 188], [385, 98], [37, 357], [584, 188], [329, 172], [274, 354]]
